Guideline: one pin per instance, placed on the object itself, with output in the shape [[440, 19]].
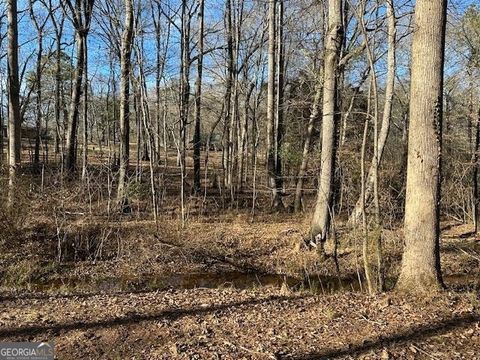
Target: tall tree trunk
[[280, 104], [81, 15], [38, 85], [298, 202], [420, 270], [2, 92], [198, 101], [271, 110], [365, 247], [184, 98], [158, 78], [227, 136], [387, 114], [71, 145], [330, 117], [85, 113], [125, 65], [1, 122], [14, 120], [58, 78], [475, 194]]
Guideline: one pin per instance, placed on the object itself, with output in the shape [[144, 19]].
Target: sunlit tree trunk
[[14, 120], [198, 101], [125, 68], [420, 270], [39, 26], [81, 14], [184, 98], [330, 117], [85, 113], [58, 26], [271, 108], [226, 160], [298, 202], [475, 164], [386, 120], [280, 100]]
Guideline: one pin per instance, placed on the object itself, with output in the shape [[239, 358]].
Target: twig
[[467, 253], [424, 352]]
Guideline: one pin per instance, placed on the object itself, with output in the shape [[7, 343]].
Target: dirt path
[[256, 324]]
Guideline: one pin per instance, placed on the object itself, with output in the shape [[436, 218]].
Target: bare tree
[[298, 202], [39, 26], [80, 14], [371, 187], [420, 270], [14, 116], [3, 15], [333, 45], [125, 65], [58, 25], [274, 181], [198, 99]]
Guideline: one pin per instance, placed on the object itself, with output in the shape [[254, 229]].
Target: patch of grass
[[27, 272], [332, 314]]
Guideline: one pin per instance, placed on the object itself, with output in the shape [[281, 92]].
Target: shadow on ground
[[416, 333], [28, 331]]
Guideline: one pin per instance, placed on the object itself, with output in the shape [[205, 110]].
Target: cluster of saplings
[[262, 97]]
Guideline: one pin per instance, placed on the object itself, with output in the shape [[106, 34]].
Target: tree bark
[[125, 66], [38, 84], [85, 112], [198, 101], [420, 270], [228, 96], [280, 104], [475, 194], [58, 26], [81, 15], [330, 118], [271, 118], [71, 145], [387, 112], [298, 202], [184, 98], [14, 120]]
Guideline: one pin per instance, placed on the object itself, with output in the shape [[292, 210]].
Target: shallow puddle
[[236, 280]]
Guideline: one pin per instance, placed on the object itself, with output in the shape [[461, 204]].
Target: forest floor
[[227, 287]]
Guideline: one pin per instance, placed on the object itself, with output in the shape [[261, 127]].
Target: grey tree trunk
[[198, 101], [387, 112], [71, 156], [420, 270], [58, 26], [184, 99], [2, 92], [298, 202], [280, 104], [227, 136], [330, 117], [475, 194], [125, 65], [39, 26], [85, 113], [271, 118], [14, 120], [81, 15]]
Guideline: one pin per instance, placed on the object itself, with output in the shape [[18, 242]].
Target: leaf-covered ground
[[137, 316], [253, 324]]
